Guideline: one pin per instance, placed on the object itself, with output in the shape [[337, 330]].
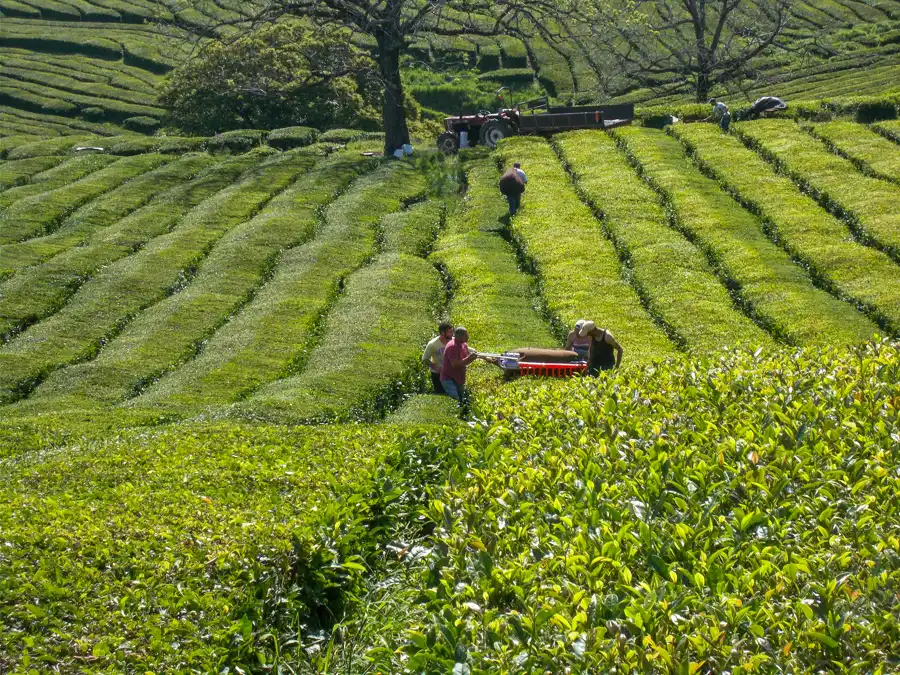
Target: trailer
[[536, 117]]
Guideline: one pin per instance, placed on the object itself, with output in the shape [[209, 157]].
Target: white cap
[[586, 327]]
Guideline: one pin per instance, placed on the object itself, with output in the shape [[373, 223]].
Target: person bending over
[[576, 343], [605, 351]]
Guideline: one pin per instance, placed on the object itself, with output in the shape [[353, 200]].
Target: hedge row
[[869, 204], [102, 212], [890, 130], [42, 214], [66, 125], [85, 69], [413, 231], [496, 301], [370, 351], [104, 304], [873, 153], [809, 233], [779, 293], [50, 146], [273, 334], [17, 172], [59, 176], [38, 292], [694, 517], [679, 285], [292, 137], [18, 70], [580, 274]]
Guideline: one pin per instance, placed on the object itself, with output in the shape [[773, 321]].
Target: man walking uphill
[[512, 185], [457, 358], [433, 356]]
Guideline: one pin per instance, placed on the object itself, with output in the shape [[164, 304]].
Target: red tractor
[[487, 128]]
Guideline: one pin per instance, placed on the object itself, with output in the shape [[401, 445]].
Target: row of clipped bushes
[[861, 108]]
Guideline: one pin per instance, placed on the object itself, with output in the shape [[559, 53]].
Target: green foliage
[[868, 203], [279, 76], [43, 213], [141, 123], [292, 137], [274, 333], [580, 273], [732, 514], [59, 176], [860, 273], [214, 544], [241, 140], [890, 130], [778, 293], [872, 153], [52, 146], [349, 135], [16, 172], [426, 409], [370, 350], [412, 231], [678, 283], [76, 332]]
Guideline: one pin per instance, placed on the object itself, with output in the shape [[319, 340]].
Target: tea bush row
[[862, 274], [369, 354], [274, 334], [111, 298], [35, 293], [54, 178], [172, 331], [580, 274], [42, 214], [18, 172], [889, 129], [496, 301], [678, 282], [414, 230], [736, 514], [865, 148], [54, 79], [870, 204], [779, 293]]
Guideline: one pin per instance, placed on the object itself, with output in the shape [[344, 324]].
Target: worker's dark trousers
[[514, 202], [436, 383]]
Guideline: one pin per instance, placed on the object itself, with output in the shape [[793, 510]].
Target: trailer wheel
[[448, 143], [493, 132]]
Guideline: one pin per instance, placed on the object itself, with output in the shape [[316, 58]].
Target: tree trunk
[[704, 85], [396, 133]]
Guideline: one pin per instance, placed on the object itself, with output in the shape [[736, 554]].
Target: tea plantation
[[218, 454]]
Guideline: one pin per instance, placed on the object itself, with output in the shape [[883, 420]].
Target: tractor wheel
[[448, 143], [493, 132]]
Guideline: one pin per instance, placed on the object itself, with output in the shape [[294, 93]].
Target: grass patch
[[675, 276], [581, 276], [39, 291], [273, 334], [868, 203], [103, 305], [780, 292], [370, 350], [809, 233]]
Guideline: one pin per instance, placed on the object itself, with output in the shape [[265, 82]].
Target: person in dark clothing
[[512, 185], [720, 115], [605, 352], [764, 105]]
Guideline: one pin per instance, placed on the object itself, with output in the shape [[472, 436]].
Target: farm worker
[[603, 345], [720, 114], [766, 104], [576, 343], [457, 357], [512, 185], [433, 356]]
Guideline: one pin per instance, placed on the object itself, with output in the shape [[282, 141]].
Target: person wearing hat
[[605, 351], [457, 357], [576, 343], [720, 114]]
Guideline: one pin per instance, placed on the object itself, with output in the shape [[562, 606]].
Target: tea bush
[[37, 292], [101, 306], [890, 129], [16, 172], [292, 137], [736, 514], [580, 274], [59, 176], [869, 204], [274, 334], [874, 154], [809, 233], [675, 277], [779, 293]]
